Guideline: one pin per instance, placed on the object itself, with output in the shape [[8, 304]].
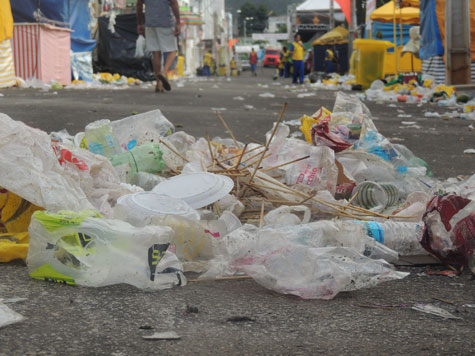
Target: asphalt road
[[64, 320]]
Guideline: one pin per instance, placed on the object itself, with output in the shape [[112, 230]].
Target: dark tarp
[[431, 43], [23, 10], [341, 53], [116, 51]]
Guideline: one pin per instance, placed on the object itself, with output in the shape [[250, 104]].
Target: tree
[[254, 17], [282, 28]]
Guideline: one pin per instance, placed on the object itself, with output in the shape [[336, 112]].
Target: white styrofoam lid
[[197, 189], [159, 204]]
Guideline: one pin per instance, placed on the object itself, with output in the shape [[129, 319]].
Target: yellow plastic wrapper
[[15, 216], [13, 246], [448, 89], [308, 122]]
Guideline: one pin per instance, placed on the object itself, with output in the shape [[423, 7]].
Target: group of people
[[293, 57]]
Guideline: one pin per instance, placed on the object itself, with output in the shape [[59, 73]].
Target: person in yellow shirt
[[329, 59], [284, 64], [297, 51], [207, 60]]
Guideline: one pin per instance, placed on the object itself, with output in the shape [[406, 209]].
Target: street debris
[[240, 319], [432, 309], [167, 335], [267, 95], [132, 201], [8, 316]]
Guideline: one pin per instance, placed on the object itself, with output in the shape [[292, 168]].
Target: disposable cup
[[378, 196]]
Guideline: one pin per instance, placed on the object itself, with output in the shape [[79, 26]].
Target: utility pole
[[457, 42], [352, 26], [332, 14]]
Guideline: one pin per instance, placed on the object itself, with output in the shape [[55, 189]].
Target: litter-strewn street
[[431, 311]]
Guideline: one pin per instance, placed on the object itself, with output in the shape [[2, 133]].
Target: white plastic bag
[[84, 249], [30, 169], [8, 316], [140, 47]]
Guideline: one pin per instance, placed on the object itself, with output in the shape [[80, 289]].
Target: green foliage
[[254, 17], [282, 28], [278, 6]]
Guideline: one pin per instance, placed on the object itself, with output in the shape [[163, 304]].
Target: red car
[[271, 57]]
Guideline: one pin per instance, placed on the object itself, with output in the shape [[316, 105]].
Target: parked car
[[271, 57]]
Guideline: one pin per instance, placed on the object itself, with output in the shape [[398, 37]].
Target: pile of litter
[[132, 201]]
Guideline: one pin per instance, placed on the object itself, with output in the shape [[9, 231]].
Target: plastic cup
[[373, 195]]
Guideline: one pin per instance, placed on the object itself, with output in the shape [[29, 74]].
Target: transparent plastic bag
[[140, 47], [85, 249]]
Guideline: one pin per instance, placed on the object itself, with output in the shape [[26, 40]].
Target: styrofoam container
[[149, 204], [196, 189]]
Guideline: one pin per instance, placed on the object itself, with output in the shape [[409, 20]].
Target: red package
[[449, 230], [321, 136]]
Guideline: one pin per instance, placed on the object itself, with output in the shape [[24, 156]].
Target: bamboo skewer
[[261, 220], [240, 157], [227, 129], [267, 145], [284, 164], [236, 156], [171, 149]]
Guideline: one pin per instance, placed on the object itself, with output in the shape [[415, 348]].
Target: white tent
[[316, 5]]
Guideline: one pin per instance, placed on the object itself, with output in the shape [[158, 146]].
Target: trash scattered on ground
[[167, 335], [240, 98], [8, 316], [469, 151], [450, 230], [267, 95], [249, 107], [310, 217], [432, 309]]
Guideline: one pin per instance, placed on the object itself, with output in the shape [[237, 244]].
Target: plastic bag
[[314, 273], [8, 316], [84, 249], [284, 215], [140, 47], [450, 229], [30, 169], [323, 137]]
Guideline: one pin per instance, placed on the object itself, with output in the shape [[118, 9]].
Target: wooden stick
[[240, 157], [351, 200], [210, 149], [227, 129], [236, 156], [310, 197], [171, 149], [335, 206], [251, 157], [261, 220], [255, 140], [255, 161], [267, 145], [284, 164]]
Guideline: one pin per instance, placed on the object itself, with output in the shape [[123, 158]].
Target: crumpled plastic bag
[[31, 169], [322, 136], [85, 249], [314, 261], [314, 273], [450, 229], [140, 47], [8, 316]]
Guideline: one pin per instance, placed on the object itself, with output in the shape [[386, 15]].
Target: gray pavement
[[111, 321]]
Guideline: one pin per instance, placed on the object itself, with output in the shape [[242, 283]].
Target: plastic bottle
[[143, 128], [402, 237], [144, 158], [101, 139]]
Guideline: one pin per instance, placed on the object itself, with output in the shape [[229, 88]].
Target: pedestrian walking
[[253, 62], [297, 51], [160, 28]]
